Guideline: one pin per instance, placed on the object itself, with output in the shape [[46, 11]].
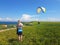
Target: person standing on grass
[[19, 30]]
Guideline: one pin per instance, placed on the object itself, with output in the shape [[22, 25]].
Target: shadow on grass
[[13, 41]]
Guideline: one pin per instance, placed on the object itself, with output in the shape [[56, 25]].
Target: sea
[[8, 23]]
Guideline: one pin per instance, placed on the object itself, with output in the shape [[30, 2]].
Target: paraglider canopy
[[39, 9]]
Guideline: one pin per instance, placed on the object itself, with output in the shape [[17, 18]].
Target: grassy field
[[45, 33]]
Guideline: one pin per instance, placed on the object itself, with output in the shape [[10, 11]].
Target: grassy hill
[[45, 33]]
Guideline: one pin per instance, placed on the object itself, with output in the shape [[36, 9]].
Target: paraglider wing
[[38, 10], [43, 9]]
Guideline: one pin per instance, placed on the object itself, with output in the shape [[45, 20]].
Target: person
[[19, 30]]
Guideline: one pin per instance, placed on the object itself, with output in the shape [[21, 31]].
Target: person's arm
[[22, 25]]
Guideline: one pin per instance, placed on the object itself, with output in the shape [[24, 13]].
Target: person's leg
[[21, 37]]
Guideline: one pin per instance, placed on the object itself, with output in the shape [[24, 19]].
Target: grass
[[46, 33]]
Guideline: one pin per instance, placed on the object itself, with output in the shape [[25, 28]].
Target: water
[[8, 23]]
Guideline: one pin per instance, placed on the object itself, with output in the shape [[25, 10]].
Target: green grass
[[45, 33]]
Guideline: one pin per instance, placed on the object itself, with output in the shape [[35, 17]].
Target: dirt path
[[6, 29]]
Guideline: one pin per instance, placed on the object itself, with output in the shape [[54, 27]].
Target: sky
[[25, 10]]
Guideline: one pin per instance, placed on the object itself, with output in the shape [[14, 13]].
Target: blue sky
[[26, 10]]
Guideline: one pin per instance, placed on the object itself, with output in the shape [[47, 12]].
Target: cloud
[[0, 18], [51, 19], [28, 18], [7, 19]]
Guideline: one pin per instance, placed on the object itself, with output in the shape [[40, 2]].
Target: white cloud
[[7, 19], [0, 18], [26, 17], [51, 19]]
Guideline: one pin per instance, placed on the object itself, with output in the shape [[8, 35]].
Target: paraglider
[[39, 10]]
